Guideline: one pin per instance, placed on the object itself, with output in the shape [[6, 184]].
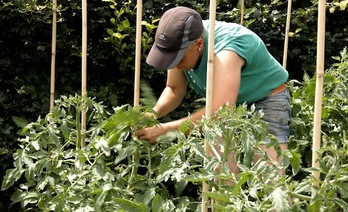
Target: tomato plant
[[117, 171]]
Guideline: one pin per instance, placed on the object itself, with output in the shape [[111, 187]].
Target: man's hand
[[151, 134], [151, 115]]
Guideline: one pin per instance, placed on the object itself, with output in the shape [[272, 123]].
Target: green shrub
[[332, 191], [25, 52]]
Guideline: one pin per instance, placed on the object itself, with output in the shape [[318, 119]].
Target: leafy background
[[25, 52]]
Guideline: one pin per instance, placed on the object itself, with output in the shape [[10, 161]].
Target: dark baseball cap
[[178, 28]]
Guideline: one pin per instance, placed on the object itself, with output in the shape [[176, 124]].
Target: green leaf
[[3, 151], [168, 205], [243, 177], [148, 195], [341, 203], [18, 195], [42, 184], [124, 153], [198, 148], [168, 137], [36, 145], [100, 200], [30, 198], [248, 153], [183, 204], [169, 156], [103, 145], [129, 205], [180, 187], [148, 98], [12, 175], [99, 171], [53, 136], [125, 23], [65, 130], [218, 196], [157, 203], [343, 190], [20, 122], [295, 161], [279, 199], [199, 177], [74, 199]]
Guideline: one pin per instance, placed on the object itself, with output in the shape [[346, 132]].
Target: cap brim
[[163, 59]]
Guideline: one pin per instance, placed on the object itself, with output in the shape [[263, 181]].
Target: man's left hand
[[151, 134]]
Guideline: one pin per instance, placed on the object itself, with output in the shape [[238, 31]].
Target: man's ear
[[199, 43]]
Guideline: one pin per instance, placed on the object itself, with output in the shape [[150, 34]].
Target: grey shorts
[[276, 109]]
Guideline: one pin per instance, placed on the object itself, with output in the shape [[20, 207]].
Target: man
[[244, 72]]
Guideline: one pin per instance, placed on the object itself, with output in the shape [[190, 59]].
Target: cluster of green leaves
[[258, 186], [25, 51], [338, 4], [117, 171], [332, 192], [114, 171]]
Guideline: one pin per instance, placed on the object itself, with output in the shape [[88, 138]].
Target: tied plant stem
[[135, 162]]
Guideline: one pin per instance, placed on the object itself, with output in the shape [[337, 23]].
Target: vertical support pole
[[209, 90], [138, 54], [136, 155], [318, 89], [84, 69], [286, 40], [53, 52], [242, 12]]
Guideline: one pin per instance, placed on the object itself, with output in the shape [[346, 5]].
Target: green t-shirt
[[260, 75]]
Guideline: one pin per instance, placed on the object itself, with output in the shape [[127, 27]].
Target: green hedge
[[25, 51]]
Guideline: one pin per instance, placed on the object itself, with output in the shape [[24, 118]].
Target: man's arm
[[227, 74], [173, 93]]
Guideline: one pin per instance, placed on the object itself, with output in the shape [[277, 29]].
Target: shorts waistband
[[277, 90]]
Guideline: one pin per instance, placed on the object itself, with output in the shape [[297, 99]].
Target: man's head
[[178, 28]]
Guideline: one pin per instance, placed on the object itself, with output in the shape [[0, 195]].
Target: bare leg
[[230, 160], [271, 152]]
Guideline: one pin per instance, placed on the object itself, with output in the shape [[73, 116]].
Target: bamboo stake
[[136, 156], [53, 54], [318, 88], [242, 12], [209, 91], [138, 54], [84, 68], [286, 40]]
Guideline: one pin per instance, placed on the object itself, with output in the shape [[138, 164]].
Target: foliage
[[332, 191], [334, 104], [259, 186], [59, 175], [338, 4], [25, 45], [117, 171]]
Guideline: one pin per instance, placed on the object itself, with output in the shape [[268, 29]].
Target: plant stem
[[149, 163], [226, 154], [78, 129], [94, 163], [300, 196], [135, 160]]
